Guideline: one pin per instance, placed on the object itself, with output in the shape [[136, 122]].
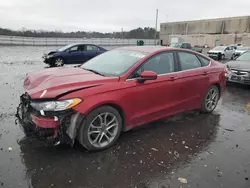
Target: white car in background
[[222, 52], [240, 50]]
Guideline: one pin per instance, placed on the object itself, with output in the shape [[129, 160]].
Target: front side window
[[188, 61], [114, 62], [162, 63], [81, 48], [74, 48]]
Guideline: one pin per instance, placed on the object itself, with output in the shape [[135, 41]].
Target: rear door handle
[[205, 73]]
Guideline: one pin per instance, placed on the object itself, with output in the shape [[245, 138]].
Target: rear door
[[90, 51], [194, 78], [158, 98]]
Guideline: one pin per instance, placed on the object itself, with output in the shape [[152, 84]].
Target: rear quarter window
[[204, 61]]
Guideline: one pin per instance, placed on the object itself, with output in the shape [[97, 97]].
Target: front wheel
[[100, 129], [211, 99], [59, 62]]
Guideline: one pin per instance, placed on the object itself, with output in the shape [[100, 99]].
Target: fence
[[37, 41]]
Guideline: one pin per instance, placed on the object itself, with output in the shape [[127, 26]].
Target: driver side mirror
[[147, 75]]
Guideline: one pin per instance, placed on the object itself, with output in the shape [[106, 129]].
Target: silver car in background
[[240, 50], [238, 70], [222, 52]]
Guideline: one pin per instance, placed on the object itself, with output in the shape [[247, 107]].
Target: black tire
[[204, 108], [85, 125], [58, 62]]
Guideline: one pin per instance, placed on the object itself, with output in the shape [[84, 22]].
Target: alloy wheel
[[212, 99], [59, 62], [103, 129]]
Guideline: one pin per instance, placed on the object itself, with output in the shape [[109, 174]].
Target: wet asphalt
[[207, 150]]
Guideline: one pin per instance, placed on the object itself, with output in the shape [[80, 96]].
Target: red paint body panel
[[45, 122], [141, 103]]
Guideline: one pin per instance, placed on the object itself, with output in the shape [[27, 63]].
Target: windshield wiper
[[96, 72]]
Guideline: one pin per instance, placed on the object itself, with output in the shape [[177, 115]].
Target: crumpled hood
[[239, 65], [215, 51], [51, 82]]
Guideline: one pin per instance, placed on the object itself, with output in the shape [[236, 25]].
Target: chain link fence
[[39, 41]]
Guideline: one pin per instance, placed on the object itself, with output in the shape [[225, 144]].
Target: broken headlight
[[56, 105], [228, 71]]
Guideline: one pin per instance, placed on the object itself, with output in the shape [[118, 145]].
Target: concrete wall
[[211, 26], [200, 32], [210, 40]]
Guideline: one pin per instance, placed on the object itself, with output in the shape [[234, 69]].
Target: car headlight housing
[[56, 105], [50, 56], [228, 71]]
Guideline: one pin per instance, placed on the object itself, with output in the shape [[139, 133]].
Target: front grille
[[240, 73]]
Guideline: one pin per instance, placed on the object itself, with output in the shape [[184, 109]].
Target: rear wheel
[[59, 62], [100, 129], [211, 99]]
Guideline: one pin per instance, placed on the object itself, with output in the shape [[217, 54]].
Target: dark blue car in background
[[72, 54]]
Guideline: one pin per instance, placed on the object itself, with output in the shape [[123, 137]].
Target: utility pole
[[156, 25], [122, 33]]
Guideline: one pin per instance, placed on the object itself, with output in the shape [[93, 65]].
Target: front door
[[74, 54], [154, 99], [194, 78], [229, 52]]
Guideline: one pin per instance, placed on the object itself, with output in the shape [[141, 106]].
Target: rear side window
[[91, 48], [204, 61], [188, 61]]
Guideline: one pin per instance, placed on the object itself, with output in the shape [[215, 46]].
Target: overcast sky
[[111, 15]]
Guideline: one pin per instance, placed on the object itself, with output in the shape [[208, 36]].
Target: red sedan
[[116, 91]]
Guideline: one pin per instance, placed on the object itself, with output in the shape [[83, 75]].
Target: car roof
[[146, 49], [73, 44]]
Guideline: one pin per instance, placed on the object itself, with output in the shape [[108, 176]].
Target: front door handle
[[205, 73], [172, 78]]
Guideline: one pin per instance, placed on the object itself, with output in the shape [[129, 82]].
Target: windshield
[[219, 48], [242, 48], [244, 57], [114, 62], [65, 47], [175, 45]]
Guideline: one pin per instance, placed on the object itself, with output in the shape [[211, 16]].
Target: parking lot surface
[[188, 150]]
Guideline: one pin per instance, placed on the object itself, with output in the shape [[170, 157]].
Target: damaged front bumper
[[51, 127]]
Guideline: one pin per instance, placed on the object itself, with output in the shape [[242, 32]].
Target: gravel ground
[[188, 150]]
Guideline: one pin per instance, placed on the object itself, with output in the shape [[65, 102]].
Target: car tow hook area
[[53, 129]]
